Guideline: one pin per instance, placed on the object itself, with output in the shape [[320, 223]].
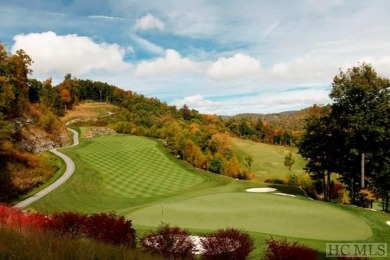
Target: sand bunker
[[285, 194], [261, 190]]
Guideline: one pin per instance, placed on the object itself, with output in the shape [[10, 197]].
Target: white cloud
[[265, 102], [236, 67], [199, 103], [104, 17], [380, 65], [69, 53], [149, 22], [172, 63], [147, 45], [304, 69]]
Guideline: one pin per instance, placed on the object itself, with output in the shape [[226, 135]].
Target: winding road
[[70, 167]]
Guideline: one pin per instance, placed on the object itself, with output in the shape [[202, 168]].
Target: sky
[[216, 56]]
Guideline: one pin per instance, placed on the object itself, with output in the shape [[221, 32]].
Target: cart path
[[70, 167]]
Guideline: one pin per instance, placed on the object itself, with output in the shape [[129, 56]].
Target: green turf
[[135, 176], [268, 159], [120, 171], [258, 212]]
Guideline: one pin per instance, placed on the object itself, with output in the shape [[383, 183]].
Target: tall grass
[[29, 244]]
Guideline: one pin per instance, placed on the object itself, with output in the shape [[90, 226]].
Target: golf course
[[138, 178]]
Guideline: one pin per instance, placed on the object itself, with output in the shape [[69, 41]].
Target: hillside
[[33, 113], [268, 159]]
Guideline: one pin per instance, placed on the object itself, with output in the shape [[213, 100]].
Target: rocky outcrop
[[98, 131], [34, 139]]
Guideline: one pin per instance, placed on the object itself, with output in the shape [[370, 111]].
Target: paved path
[[69, 171]]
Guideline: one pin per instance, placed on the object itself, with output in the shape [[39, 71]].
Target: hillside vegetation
[[30, 112]]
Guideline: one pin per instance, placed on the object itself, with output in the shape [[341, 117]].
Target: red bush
[[227, 244], [110, 228], [70, 223], [283, 249], [168, 242], [16, 219]]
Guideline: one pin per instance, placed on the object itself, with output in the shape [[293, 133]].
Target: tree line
[[351, 137]]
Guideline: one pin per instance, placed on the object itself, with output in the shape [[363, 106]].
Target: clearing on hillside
[[268, 159], [89, 110]]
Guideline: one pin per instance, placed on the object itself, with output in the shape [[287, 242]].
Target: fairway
[[118, 171], [265, 213], [133, 167], [268, 159]]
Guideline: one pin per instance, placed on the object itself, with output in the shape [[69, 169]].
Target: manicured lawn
[[258, 212], [120, 171], [138, 178]]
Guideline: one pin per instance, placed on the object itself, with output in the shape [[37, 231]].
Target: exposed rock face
[[98, 131], [35, 140]]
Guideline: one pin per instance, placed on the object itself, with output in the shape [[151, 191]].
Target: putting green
[[258, 212]]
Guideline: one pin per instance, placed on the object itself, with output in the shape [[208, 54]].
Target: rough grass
[[268, 159], [89, 110], [46, 245]]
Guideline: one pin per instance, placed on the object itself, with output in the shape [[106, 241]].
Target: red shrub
[[110, 228], [70, 223], [227, 244], [16, 219], [38, 221], [286, 250], [168, 242]]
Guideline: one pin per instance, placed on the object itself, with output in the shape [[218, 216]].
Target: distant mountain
[[286, 120]]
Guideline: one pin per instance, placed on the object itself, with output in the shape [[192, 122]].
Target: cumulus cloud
[[199, 103], [303, 69], [172, 63], [149, 22], [69, 53], [236, 67]]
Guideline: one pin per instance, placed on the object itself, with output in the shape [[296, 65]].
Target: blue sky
[[223, 57]]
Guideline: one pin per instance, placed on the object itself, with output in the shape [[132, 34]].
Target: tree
[[289, 161], [361, 110], [353, 139]]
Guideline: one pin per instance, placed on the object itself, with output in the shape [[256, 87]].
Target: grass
[[120, 171], [138, 178], [89, 110], [268, 159], [46, 245], [258, 212]]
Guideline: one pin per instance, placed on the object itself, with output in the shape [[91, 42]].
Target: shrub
[[68, 223], [283, 249], [16, 219], [227, 244], [110, 228], [168, 242], [292, 179], [274, 181]]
